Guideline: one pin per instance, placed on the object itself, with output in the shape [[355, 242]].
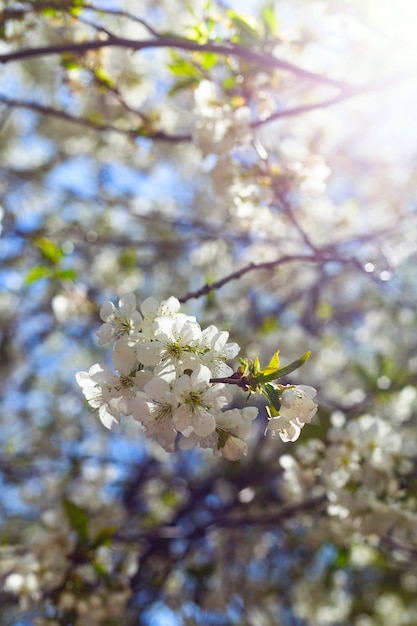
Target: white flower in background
[[297, 408], [218, 127], [124, 322], [314, 175], [199, 403]]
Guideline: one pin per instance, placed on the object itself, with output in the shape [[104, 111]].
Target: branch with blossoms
[[172, 377]]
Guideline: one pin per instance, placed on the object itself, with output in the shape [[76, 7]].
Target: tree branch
[[319, 257], [228, 49], [82, 121]]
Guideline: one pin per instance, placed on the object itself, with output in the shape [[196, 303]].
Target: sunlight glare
[[396, 23]]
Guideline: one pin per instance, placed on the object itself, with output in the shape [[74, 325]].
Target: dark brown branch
[[229, 49], [81, 121], [319, 257], [346, 93]]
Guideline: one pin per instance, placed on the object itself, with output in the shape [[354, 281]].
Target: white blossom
[[297, 404], [198, 403], [106, 392], [151, 308], [297, 408], [124, 322], [233, 427], [216, 351], [174, 347], [154, 411]]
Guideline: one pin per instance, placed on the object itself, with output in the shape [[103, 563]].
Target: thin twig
[[81, 121], [319, 257]]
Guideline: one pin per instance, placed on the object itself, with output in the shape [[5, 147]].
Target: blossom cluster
[[365, 469], [165, 365], [171, 376], [52, 567]]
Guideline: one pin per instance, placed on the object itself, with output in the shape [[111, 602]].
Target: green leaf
[[279, 373], [169, 498], [49, 12], [245, 24], [103, 537], [68, 61], [64, 274], [49, 249], [183, 67], [78, 519], [208, 60], [230, 82], [272, 394], [100, 569], [287, 369], [272, 366], [186, 83], [36, 273], [270, 19], [103, 77], [342, 558]]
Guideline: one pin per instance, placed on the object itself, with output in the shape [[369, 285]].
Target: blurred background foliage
[[160, 147]]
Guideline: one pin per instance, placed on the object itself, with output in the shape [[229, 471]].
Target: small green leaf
[[245, 24], [183, 67], [270, 19], [230, 82], [208, 60], [272, 394], [103, 77], [100, 569], [64, 274], [49, 12], [287, 369], [186, 83], [68, 61], [272, 366], [262, 377], [342, 558], [78, 519], [103, 537], [169, 498], [49, 249], [36, 273]]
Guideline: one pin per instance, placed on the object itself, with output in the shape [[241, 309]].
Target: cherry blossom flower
[[175, 345], [233, 427], [297, 408], [107, 392], [154, 411], [216, 350], [198, 403], [297, 404], [119, 323]]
